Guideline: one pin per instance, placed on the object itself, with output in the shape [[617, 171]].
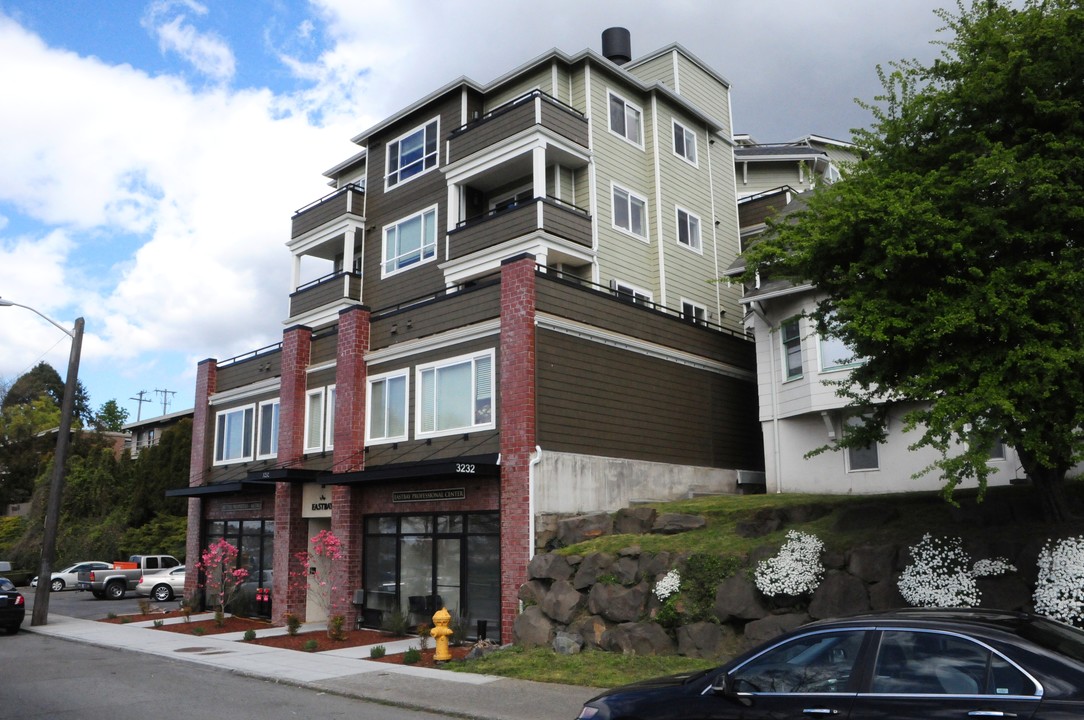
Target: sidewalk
[[346, 672]]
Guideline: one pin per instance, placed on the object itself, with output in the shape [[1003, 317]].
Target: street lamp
[[40, 615]]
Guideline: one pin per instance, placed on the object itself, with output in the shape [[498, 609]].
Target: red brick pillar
[[350, 392], [517, 429], [291, 530], [199, 466]]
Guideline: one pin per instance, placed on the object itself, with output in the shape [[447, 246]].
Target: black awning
[[288, 474], [460, 468], [226, 488]]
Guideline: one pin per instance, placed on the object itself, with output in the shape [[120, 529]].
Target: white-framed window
[[791, 337], [455, 395], [412, 154], [626, 120], [996, 451], [233, 435], [688, 229], [834, 354], [630, 212], [410, 241], [267, 441], [694, 312], [387, 407], [320, 419], [631, 292], [861, 458], [684, 143]]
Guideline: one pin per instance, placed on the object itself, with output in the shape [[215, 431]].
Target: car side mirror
[[724, 685]]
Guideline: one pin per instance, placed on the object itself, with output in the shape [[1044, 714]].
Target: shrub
[[377, 651], [199, 631], [395, 622], [796, 570], [335, 627], [941, 574], [144, 606], [412, 656], [293, 623], [424, 636], [250, 635], [310, 646], [1059, 588], [159, 623]]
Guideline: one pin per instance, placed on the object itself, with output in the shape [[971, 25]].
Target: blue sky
[[152, 152]]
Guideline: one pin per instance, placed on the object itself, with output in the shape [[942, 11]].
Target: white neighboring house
[[799, 408]]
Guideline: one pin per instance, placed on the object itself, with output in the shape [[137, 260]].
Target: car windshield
[[6, 584], [1055, 636]]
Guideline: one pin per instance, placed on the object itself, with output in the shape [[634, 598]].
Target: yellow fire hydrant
[[441, 632]]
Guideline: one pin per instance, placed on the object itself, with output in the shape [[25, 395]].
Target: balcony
[[524, 113], [545, 215], [345, 201], [326, 296]]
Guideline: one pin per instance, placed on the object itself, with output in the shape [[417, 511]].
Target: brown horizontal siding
[[567, 223], [514, 119], [250, 370], [482, 234], [616, 315], [327, 292], [459, 309], [320, 378], [325, 348], [755, 212], [327, 211], [599, 400]]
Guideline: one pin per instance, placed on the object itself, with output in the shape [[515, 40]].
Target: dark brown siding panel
[[571, 126], [328, 210], [321, 378], [250, 370], [324, 348], [598, 400], [327, 292], [445, 313]]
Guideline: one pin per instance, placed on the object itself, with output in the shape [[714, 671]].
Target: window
[[684, 142], [456, 396], [625, 120], [387, 413], [792, 349], [861, 458], [694, 312], [688, 226], [410, 241], [928, 663], [630, 292], [233, 435], [630, 212], [997, 450], [412, 154], [815, 663], [320, 419], [267, 446]]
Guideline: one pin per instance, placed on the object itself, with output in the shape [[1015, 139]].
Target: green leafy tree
[[44, 379], [951, 259], [110, 417]]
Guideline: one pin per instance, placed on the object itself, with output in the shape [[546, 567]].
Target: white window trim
[[847, 455], [698, 248], [695, 306], [447, 362], [622, 287], [383, 377], [639, 142], [259, 428], [646, 237], [783, 349], [831, 368], [384, 272], [318, 446], [251, 439], [687, 133], [330, 398], [398, 140]]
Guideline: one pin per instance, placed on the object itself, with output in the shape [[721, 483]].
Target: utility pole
[[140, 399], [165, 398]]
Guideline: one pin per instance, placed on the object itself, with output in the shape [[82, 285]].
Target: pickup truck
[[124, 575]]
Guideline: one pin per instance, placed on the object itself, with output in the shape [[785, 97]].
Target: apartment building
[[505, 309]]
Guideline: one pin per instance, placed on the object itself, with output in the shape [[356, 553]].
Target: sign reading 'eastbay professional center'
[[406, 496]]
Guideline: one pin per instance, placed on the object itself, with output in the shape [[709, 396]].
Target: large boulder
[[765, 629], [584, 527], [533, 629], [549, 566], [866, 516], [638, 638], [626, 569], [840, 594], [634, 520], [532, 591], [562, 602], [566, 643], [873, 563], [656, 565], [616, 602], [674, 523], [591, 568], [591, 629], [885, 595], [1005, 592], [704, 639], [737, 598]]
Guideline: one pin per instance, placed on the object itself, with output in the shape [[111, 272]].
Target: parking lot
[[85, 606]]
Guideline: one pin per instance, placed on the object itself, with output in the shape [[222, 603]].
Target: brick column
[[199, 466], [517, 429], [350, 392], [291, 530]]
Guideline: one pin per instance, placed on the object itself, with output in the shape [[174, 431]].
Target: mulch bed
[[351, 638], [459, 652], [208, 627]]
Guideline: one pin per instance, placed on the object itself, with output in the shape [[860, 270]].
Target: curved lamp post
[[40, 615]]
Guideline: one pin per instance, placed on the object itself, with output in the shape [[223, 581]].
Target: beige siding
[[539, 79], [657, 70], [756, 177], [705, 92]]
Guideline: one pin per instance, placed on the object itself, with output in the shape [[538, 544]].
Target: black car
[[12, 607], [917, 663]]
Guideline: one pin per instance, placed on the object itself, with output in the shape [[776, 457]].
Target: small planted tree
[[222, 577], [319, 573]]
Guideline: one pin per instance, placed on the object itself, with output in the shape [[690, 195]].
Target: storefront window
[[255, 542]]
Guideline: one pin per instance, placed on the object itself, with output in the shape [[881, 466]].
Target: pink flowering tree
[[222, 577], [319, 573]]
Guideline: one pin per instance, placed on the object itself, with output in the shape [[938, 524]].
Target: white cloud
[[206, 52]]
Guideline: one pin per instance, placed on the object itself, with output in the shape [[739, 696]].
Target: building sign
[[406, 496], [241, 506], [315, 500]]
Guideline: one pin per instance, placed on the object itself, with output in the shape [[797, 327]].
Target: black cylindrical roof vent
[[617, 45]]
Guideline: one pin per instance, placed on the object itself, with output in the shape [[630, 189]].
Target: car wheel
[[57, 585], [12, 629], [115, 591], [162, 593], [98, 594]]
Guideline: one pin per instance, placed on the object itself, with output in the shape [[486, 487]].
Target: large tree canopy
[[952, 257]]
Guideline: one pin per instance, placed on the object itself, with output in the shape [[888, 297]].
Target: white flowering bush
[[1059, 589], [796, 570], [668, 584], [941, 574]]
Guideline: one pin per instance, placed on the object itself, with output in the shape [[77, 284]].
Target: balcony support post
[[538, 158]]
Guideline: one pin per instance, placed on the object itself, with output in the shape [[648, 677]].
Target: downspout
[[778, 456], [536, 457]]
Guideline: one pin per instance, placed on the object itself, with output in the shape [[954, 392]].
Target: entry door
[[314, 609], [449, 558]]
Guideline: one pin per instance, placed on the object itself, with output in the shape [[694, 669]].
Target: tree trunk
[[1049, 487]]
